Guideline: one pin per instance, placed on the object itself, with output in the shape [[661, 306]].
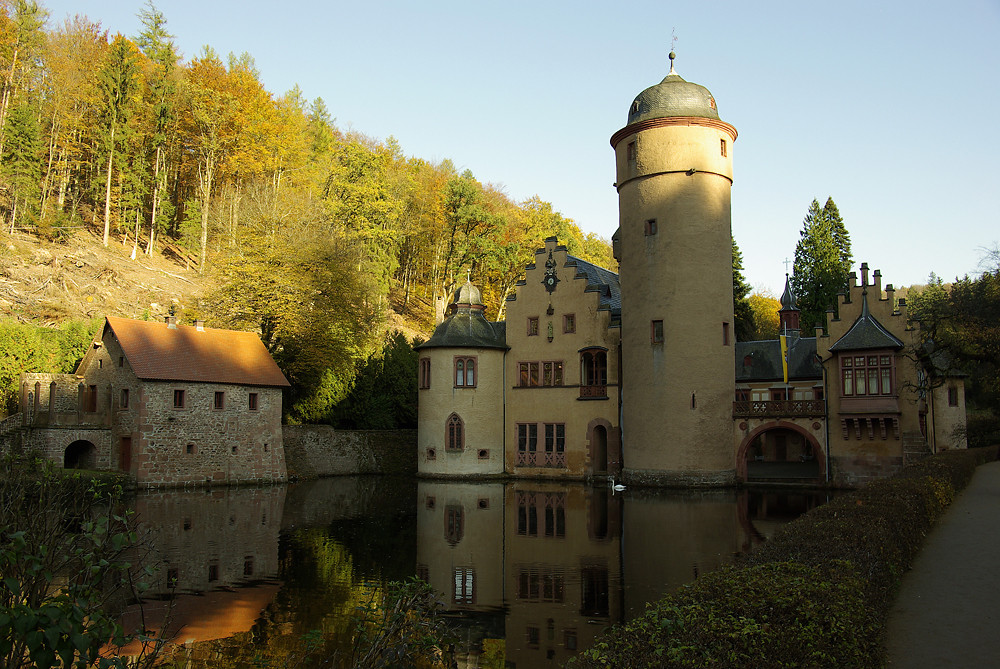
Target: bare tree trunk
[[107, 191], [156, 196]]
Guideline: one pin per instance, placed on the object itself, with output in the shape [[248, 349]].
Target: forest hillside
[[135, 182]]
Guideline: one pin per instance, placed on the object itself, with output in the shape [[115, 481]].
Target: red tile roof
[[158, 352]]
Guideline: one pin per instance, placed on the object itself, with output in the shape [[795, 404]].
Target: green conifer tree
[[743, 314], [822, 264]]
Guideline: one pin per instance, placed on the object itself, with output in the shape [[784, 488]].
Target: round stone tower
[[674, 176], [460, 396]]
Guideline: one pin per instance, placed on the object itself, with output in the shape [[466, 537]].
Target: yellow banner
[[784, 356]]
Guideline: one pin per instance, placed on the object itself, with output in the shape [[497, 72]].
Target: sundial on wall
[[550, 280]]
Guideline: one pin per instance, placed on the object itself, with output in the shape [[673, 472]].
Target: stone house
[[171, 404]]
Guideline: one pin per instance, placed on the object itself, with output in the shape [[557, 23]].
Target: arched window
[[593, 372], [465, 372], [455, 433]]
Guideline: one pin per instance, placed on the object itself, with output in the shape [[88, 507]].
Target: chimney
[[864, 274], [199, 325], [172, 322]]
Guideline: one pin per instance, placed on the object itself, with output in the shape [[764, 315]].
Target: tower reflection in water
[[529, 572]]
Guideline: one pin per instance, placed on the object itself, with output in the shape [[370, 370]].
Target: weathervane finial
[[672, 55]]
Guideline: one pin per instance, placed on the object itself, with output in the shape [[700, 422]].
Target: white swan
[[618, 487]]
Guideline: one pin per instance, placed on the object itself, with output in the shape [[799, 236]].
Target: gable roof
[[866, 333], [158, 352]]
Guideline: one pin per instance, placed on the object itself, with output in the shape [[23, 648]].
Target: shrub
[[66, 552], [816, 595]]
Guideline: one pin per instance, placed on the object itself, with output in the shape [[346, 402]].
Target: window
[[465, 372], [220, 400], [725, 334], [121, 361], [213, 572], [454, 523], [952, 396], [569, 323], [455, 434], [252, 402], [124, 399], [425, 372], [594, 373], [541, 584], [178, 399], [630, 154], [723, 146], [532, 326], [189, 449], [465, 586], [528, 373], [534, 636], [650, 228], [248, 565], [552, 373], [656, 332], [555, 444], [527, 444], [866, 375], [173, 574]]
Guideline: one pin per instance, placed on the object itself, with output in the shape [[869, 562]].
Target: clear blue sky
[[888, 107]]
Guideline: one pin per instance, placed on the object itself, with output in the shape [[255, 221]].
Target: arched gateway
[[81, 454], [780, 450]]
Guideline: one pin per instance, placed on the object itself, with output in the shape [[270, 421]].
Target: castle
[[638, 375]]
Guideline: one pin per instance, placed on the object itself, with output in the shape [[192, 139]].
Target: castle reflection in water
[[530, 571]]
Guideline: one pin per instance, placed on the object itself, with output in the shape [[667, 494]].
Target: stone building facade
[[171, 404]]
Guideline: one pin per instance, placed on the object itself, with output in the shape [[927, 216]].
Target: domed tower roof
[[788, 297], [468, 296], [466, 326], [673, 97]]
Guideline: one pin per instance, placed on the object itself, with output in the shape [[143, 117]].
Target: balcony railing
[[540, 459], [594, 391], [778, 408]]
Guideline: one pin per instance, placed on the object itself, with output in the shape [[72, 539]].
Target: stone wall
[[312, 451]]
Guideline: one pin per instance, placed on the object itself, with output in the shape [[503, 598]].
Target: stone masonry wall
[[313, 451], [200, 444]]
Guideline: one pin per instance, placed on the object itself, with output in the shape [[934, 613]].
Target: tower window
[[651, 227], [656, 332], [952, 396], [454, 435], [725, 334], [425, 372], [723, 145], [465, 372], [630, 154]]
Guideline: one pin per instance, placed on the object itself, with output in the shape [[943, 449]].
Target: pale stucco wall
[[560, 404], [480, 408], [677, 408]]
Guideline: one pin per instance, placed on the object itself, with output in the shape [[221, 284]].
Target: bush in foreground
[[816, 595]]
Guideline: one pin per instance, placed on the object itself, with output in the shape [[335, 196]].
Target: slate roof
[[866, 333], [157, 352], [468, 328], [672, 97], [602, 281], [765, 358]]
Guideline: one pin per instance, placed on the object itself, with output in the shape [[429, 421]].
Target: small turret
[[788, 315]]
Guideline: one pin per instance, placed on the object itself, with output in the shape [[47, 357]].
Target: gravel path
[[947, 612]]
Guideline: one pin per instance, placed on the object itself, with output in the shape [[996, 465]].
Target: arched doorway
[[81, 454], [599, 449], [780, 451]]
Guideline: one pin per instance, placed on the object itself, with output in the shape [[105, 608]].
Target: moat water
[[529, 572]]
